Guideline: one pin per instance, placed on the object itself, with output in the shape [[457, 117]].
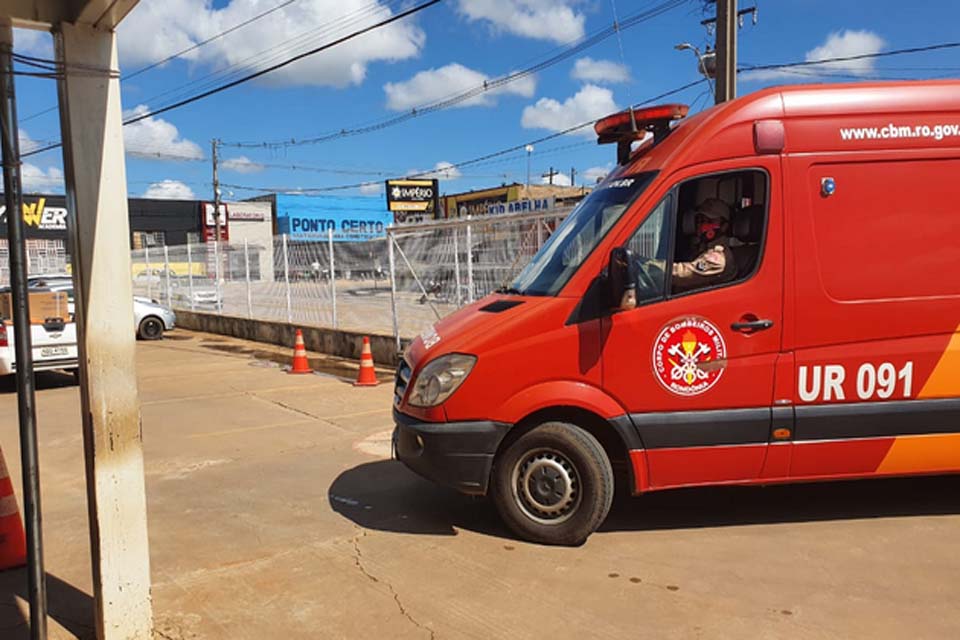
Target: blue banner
[[352, 218]]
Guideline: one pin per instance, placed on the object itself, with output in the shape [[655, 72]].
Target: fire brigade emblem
[[689, 356]]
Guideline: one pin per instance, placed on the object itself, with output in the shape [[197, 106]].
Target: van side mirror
[[620, 276]]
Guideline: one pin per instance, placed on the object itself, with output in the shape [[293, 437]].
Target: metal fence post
[[286, 279], [166, 270], [217, 273], [246, 265], [469, 261], [333, 277], [393, 289], [190, 276], [456, 266], [146, 270]]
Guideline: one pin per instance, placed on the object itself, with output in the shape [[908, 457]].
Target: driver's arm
[[705, 269]]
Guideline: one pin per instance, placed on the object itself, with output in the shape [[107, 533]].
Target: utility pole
[[573, 176], [216, 191], [216, 218], [529, 149], [726, 48], [549, 175]]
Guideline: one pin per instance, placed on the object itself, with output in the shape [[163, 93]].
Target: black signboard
[[412, 200]]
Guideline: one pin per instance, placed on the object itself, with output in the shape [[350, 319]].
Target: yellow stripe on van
[[919, 454], [944, 382]]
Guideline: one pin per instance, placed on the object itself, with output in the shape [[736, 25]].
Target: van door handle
[[751, 326]]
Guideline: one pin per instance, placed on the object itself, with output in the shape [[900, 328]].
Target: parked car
[[54, 347], [150, 316], [201, 295]]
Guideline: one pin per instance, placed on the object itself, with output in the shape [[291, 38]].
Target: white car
[[203, 296], [150, 317], [54, 347]]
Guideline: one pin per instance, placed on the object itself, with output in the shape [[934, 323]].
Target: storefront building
[[153, 223]]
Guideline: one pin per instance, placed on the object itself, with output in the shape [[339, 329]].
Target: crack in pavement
[[358, 561], [301, 412]]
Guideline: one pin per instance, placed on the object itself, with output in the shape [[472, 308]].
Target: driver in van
[[714, 263]]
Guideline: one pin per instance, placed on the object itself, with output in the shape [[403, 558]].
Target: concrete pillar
[[93, 162]]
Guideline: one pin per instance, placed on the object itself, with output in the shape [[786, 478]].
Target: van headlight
[[440, 378]]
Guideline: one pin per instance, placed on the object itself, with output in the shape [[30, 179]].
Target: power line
[[287, 47], [180, 53], [862, 56], [487, 86], [154, 65], [252, 76], [473, 161]]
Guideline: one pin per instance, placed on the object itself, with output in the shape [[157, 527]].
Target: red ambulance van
[[828, 346]]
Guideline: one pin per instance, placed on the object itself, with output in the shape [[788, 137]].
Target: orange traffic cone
[[366, 377], [13, 544], [300, 362]]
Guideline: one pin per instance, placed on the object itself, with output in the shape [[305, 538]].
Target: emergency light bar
[[626, 127]]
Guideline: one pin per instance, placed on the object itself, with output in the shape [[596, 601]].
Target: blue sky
[[444, 50]]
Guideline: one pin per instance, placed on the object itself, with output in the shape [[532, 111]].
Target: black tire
[[151, 328], [574, 491]]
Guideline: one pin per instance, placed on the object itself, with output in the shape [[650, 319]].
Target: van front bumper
[[454, 454]]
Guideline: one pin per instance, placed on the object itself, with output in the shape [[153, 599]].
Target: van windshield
[[578, 235]]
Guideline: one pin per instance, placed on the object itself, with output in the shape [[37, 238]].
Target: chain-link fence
[[400, 284], [441, 266]]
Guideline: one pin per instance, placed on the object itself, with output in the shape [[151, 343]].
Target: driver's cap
[[714, 208]]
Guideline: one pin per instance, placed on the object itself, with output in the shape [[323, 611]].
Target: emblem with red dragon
[[689, 356]]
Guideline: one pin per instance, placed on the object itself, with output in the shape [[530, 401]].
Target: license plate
[[52, 352]]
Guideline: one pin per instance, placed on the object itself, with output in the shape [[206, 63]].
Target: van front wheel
[[554, 485]]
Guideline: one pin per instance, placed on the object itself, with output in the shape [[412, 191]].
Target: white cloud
[[559, 180], [154, 137], [34, 42], [371, 188], [441, 171], [37, 180], [603, 71], [169, 190], [155, 30], [27, 144], [594, 175], [241, 164], [540, 19], [590, 103], [432, 85], [840, 44]]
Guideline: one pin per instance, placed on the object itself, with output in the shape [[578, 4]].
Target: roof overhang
[[44, 14]]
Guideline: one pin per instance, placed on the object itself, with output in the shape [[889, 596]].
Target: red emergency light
[[630, 125]]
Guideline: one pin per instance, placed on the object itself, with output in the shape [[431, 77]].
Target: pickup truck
[[54, 347]]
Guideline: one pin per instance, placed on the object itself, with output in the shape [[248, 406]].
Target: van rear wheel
[[554, 485]]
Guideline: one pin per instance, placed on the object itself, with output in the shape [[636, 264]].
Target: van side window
[[720, 230], [650, 248]]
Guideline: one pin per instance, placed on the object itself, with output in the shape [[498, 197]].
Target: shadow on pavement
[[386, 496], [70, 607], [43, 380]]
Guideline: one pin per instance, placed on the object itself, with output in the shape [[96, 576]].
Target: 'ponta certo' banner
[[352, 219]]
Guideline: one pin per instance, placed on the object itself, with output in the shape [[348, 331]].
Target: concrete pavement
[[275, 513]]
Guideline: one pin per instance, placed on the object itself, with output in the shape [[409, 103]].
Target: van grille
[[403, 379]]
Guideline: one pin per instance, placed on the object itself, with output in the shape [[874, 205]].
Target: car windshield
[[579, 235]]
